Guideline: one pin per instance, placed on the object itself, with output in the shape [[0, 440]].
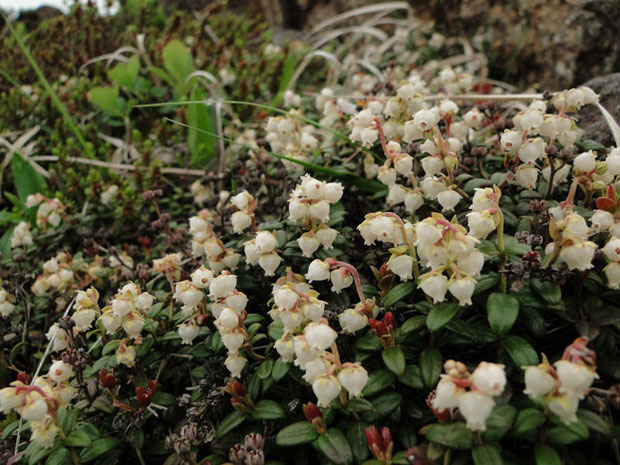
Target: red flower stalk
[[384, 330], [107, 380], [24, 377], [380, 444], [145, 395], [314, 417]]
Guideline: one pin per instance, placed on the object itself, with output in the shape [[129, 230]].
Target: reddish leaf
[[604, 203]]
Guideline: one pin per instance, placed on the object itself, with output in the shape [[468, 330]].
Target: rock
[[590, 118]]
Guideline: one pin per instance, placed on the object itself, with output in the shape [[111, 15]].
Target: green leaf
[[357, 440], [594, 422], [59, 456], [106, 98], [334, 445], [567, 434], [520, 351], [548, 290], [441, 314], [502, 312], [412, 377], [377, 381], [68, 418], [296, 434], [499, 422], [430, 367], [230, 422], [26, 179], [394, 360], [528, 420], [288, 69], [412, 324], [359, 404], [455, 435], [546, 455], [126, 74], [280, 369], [368, 342], [35, 452], [268, 410], [201, 122], [178, 61], [78, 439], [383, 404], [111, 346], [264, 369], [486, 454], [398, 292], [5, 241], [98, 448]]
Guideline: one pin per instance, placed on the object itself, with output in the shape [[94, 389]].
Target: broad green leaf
[[430, 367], [528, 420], [68, 418], [59, 456], [268, 410], [280, 369], [202, 145], [334, 445], [441, 314], [357, 440], [567, 434], [499, 422], [98, 448], [412, 324], [594, 422], [394, 360], [486, 454], [296, 434], [368, 342], [398, 292], [454, 435], [264, 369], [126, 74], [520, 351], [502, 312], [230, 422], [546, 455], [35, 452], [548, 290], [178, 61], [383, 404], [377, 381], [26, 179], [78, 439], [106, 99], [412, 377]]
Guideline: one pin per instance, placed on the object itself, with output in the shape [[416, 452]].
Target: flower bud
[[489, 378], [341, 279], [326, 388], [475, 408], [434, 286], [320, 335], [353, 377]]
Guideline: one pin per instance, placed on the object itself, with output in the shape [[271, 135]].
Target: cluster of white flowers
[[485, 213], [364, 128], [243, 218], [50, 211], [228, 308], [108, 196], [455, 82], [289, 137], [309, 204], [307, 339], [332, 108], [38, 401], [471, 393], [7, 307], [21, 237], [446, 248], [86, 309], [563, 386], [262, 250], [570, 232], [57, 275], [127, 310], [525, 144], [205, 242]]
